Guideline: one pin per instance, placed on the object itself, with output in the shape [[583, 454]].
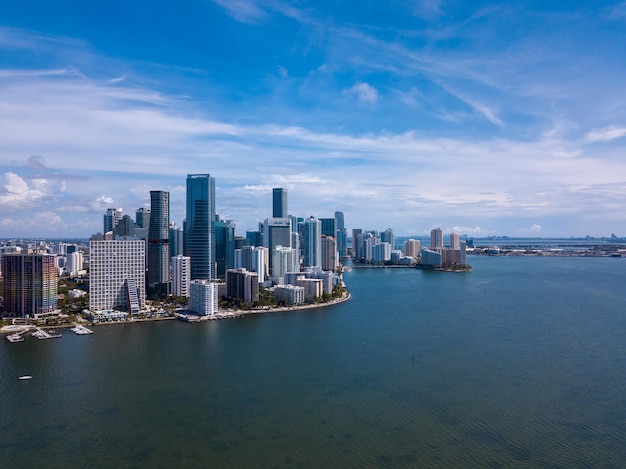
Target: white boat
[[25, 377]]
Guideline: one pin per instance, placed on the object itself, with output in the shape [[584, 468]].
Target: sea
[[519, 363]]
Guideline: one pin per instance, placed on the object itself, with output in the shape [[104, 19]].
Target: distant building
[[436, 238], [203, 297], [342, 236], [328, 227], [74, 263], [253, 259], [284, 259], [117, 275], [30, 284], [176, 240], [431, 257], [388, 236], [181, 275], [279, 203], [142, 218], [111, 219], [381, 253], [224, 246], [455, 241]]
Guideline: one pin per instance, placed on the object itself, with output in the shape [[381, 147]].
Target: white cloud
[[605, 135], [365, 92], [16, 195]]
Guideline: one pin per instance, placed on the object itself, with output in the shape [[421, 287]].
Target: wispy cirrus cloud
[[606, 134]]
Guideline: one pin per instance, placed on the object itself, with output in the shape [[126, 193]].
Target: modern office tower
[[125, 228], [276, 232], [74, 263], [200, 225], [253, 238], [455, 241], [329, 253], [176, 240], [224, 246], [158, 274], [181, 275], [240, 242], [329, 227], [279, 203], [342, 235], [253, 259], [412, 248], [242, 284], [387, 236], [381, 253], [117, 275], [436, 238], [284, 259], [312, 242], [203, 297], [357, 243], [142, 218], [112, 218], [30, 284]]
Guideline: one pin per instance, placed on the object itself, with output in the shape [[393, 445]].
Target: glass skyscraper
[[200, 225], [158, 274], [279, 203]]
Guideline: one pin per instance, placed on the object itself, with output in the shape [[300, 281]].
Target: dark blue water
[[520, 363]]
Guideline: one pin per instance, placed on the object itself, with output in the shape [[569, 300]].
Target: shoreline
[[230, 314]]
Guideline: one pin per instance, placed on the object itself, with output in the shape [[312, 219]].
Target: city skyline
[[483, 119]]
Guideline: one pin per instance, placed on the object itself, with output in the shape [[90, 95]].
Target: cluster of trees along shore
[[69, 305]]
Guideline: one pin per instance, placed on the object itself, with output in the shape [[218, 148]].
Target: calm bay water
[[521, 363]]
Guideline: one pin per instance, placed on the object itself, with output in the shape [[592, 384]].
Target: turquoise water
[[520, 363]]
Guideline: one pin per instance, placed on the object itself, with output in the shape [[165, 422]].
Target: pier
[[41, 334], [81, 330]]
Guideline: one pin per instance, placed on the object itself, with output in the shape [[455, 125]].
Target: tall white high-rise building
[[111, 219], [203, 297], [117, 275], [181, 275], [74, 263]]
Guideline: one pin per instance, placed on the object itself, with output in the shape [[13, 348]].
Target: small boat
[[25, 377]]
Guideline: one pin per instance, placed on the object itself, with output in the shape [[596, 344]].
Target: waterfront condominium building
[[284, 259], [412, 248], [203, 297], [158, 274], [30, 284], [117, 275], [279, 203], [200, 226], [329, 253], [436, 238], [253, 259], [181, 275], [242, 284]]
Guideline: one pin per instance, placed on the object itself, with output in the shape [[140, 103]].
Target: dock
[[17, 337], [41, 334], [81, 330]]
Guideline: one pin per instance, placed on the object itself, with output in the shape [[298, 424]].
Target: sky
[[484, 118]]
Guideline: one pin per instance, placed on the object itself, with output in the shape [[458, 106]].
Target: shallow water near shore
[[518, 363]]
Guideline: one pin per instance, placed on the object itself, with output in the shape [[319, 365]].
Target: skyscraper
[[312, 242], [181, 275], [200, 225], [142, 217], [30, 284], [342, 236], [224, 246], [436, 238], [455, 241], [279, 203], [158, 274], [111, 219]]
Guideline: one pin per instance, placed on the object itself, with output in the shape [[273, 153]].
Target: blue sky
[[484, 118]]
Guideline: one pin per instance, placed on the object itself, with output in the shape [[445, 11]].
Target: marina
[[17, 337], [81, 330], [42, 334]]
